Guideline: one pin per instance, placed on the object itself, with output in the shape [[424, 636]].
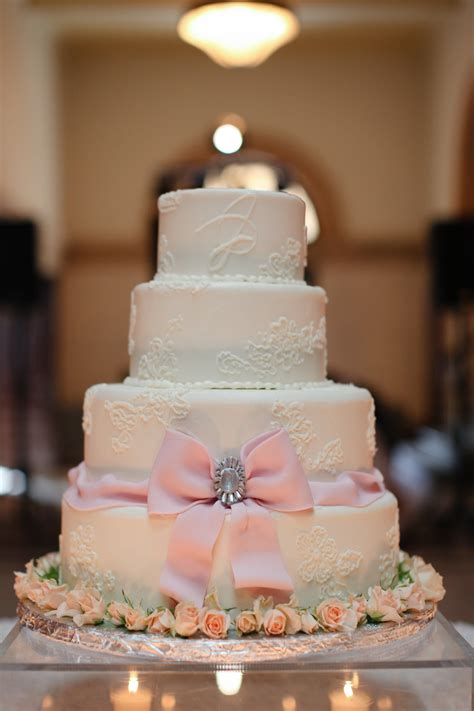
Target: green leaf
[[51, 574], [127, 599]]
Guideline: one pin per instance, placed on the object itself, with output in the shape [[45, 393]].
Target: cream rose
[[260, 607], [46, 562], [186, 619], [429, 580], [293, 619], [246, 622], [24, 582], [309, 623], [160, 621], [411, 597], [359, 605], [84, 605], [274, 622], [383, 605], [48, 595], [334, 616]]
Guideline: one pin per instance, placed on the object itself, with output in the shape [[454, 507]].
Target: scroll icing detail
[[82, 560], [161, 360], [165, 256], [283, 264], [322, 561], [300, 430], [164, 407], [371, 442], [87, 408], [281, 348], [237, 233]]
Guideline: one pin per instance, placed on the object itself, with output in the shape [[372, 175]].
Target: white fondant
[[328, 550], [230, 232], [129, 425], [284, 341]]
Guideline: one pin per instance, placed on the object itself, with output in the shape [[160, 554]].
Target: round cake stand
[[232, 651]]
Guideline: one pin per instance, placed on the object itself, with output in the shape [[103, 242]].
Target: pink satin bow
[[181, 485]]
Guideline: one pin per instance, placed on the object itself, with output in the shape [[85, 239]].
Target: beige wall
[[375, 111], [356, 105]]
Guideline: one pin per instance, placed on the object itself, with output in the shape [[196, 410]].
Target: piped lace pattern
[[284, 346]]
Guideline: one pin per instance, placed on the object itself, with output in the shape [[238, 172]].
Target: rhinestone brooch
[[229, 481]]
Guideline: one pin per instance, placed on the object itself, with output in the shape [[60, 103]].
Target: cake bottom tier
[[331, 550]]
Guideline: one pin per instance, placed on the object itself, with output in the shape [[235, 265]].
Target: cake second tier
[[227, 334]]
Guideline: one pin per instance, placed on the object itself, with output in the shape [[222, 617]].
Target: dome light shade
[[238, 34]]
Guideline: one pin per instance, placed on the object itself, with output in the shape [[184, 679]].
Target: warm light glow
[[133, 683], [355, 680], [348, 693], [312, 221], [229, 682], [288, 703], [227, 138], [168, 702], [251, 176], [47, 702], [385, 703], [238, 34]]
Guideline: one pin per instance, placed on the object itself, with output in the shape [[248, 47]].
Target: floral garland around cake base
[[415, 587]]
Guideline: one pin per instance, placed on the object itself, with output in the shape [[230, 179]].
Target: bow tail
[[187, 569], [255, 550]]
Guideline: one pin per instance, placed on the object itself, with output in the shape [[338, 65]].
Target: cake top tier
[[250, 235]]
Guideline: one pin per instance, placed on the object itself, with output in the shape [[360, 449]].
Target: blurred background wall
[[97, 101]]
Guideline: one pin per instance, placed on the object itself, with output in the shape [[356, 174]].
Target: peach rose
[[274, 622], [383, 605], [293, 619], [186, 619], [116, 612], [135, 619], [246, 622], [214, 623], [260, 607], [93, 608], [84, 605], [160, 621], [309, 623], [48, 595], [429, 580], [411, 596], [334, 616]]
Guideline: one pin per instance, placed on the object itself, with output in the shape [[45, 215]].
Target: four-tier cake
[[227, 473]]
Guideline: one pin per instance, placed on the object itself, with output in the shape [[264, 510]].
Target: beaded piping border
[[225, 384]]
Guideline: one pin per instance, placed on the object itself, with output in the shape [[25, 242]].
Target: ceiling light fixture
[[238, 34]]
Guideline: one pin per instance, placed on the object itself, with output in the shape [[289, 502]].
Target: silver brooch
[[229, 481]]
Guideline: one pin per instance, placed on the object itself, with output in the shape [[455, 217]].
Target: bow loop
[[181, 476], [275, 477]]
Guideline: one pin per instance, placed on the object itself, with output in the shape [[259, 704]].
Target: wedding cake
[[226, 466]]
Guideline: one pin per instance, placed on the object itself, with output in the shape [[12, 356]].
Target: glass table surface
[[433, 670]]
